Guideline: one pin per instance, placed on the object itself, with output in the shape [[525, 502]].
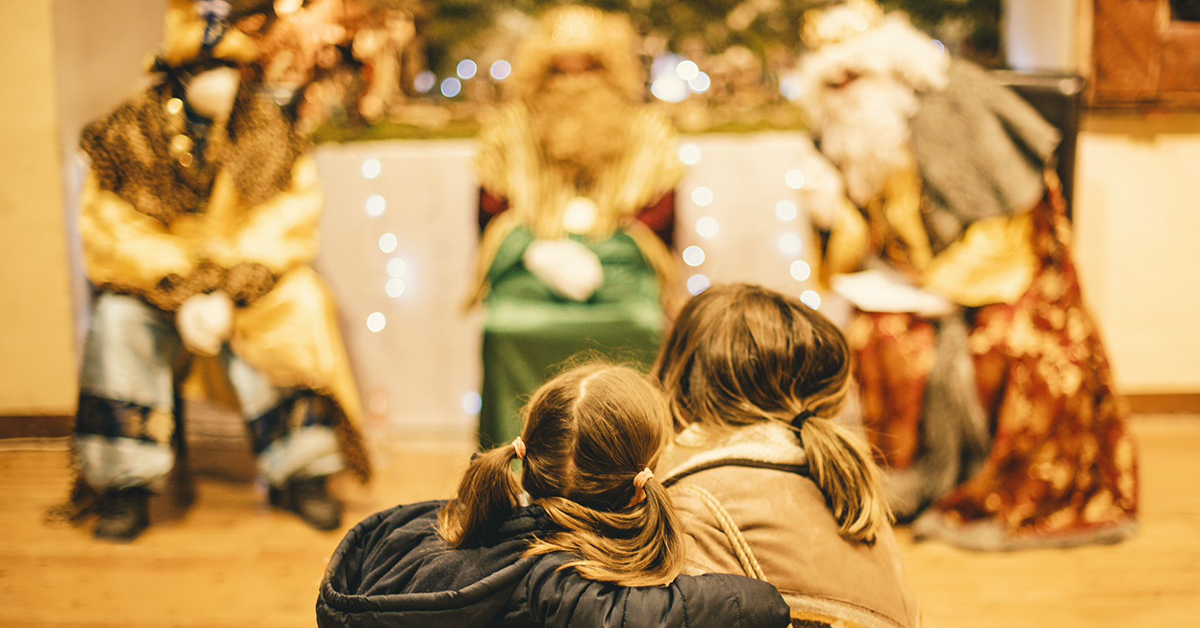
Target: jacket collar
[[767, 443], [524, 521]]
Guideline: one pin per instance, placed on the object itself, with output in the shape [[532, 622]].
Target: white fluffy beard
[[863, 128]]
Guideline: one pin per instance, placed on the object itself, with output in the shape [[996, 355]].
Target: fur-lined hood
[[130, 154]]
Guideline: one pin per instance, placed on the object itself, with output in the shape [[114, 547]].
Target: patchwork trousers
[[126, 420]]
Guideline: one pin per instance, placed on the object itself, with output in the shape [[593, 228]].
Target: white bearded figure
[[861, 98], [577, 205], [985, 388]]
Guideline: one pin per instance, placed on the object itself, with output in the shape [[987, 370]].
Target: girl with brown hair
[[765, 482], [584, 535]]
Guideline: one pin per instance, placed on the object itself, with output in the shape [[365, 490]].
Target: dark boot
[[310, 499], [123, 514]]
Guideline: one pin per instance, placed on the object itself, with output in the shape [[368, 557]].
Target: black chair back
[[1059, 98]]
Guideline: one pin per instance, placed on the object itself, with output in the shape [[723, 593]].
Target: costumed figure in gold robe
[[984, 385], [199, 222], [577, 209]]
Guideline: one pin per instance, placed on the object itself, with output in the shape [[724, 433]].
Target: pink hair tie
[[518, 446], [639, 483]]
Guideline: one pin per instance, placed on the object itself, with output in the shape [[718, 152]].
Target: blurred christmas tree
[[453, 28], [441, 67]]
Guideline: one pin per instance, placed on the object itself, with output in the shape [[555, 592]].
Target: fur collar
[[768, 442], [895, 48], [130, 155]]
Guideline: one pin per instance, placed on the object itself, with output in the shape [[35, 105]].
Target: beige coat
[[748, 508]]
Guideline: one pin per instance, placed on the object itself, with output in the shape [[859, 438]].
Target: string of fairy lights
[[396, 268], [466, 70], [789, 242], [375, 206]]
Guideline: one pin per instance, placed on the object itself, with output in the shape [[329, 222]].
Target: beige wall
[[65, 62], [1041, 34], [37, 360], [1137, 229], [100, 50], [1137, 210], [1137, 214]]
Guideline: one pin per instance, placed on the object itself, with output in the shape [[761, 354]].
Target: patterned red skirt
[[1061, 469]]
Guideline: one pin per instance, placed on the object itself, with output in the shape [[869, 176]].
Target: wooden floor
[[233, 562]]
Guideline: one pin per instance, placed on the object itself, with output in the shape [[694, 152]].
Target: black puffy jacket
[[392, 570]]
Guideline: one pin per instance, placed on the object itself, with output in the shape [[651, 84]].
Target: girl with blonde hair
[[765, 482], [583, 536]]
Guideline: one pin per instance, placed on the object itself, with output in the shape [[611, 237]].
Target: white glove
[[212, 93], [888, 291], [824, 192], [566, 266], [205, 322]]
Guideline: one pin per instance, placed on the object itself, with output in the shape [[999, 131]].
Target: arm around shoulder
[[557, 597]]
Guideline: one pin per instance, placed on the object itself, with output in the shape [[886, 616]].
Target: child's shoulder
[[398, 516], [553, 595], [396, 564]]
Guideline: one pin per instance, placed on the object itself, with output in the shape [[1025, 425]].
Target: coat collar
[[768, 443]]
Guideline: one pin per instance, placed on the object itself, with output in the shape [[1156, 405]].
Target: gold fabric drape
[[290, 333]]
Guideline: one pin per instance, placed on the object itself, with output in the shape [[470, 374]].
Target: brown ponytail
[[636, 547], [841, 465], [487, 494], [588, 434], [742, 354]]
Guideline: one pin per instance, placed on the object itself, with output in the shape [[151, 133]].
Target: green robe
[[531, 333]]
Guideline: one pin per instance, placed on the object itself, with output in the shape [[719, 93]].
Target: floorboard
[[232, 561]]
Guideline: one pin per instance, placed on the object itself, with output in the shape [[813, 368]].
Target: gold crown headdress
[[574, 26], [198, 30], [834, 25], [576, 29]]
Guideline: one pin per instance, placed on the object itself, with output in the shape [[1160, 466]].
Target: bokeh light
[[451, 87], [388, 242], [697, 284], [790, 243], [707, 227], [801, 271], [794, 179], [376, 205], [376, 322], [786, 211], [501, 70], [395, 287], [467, 69]]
